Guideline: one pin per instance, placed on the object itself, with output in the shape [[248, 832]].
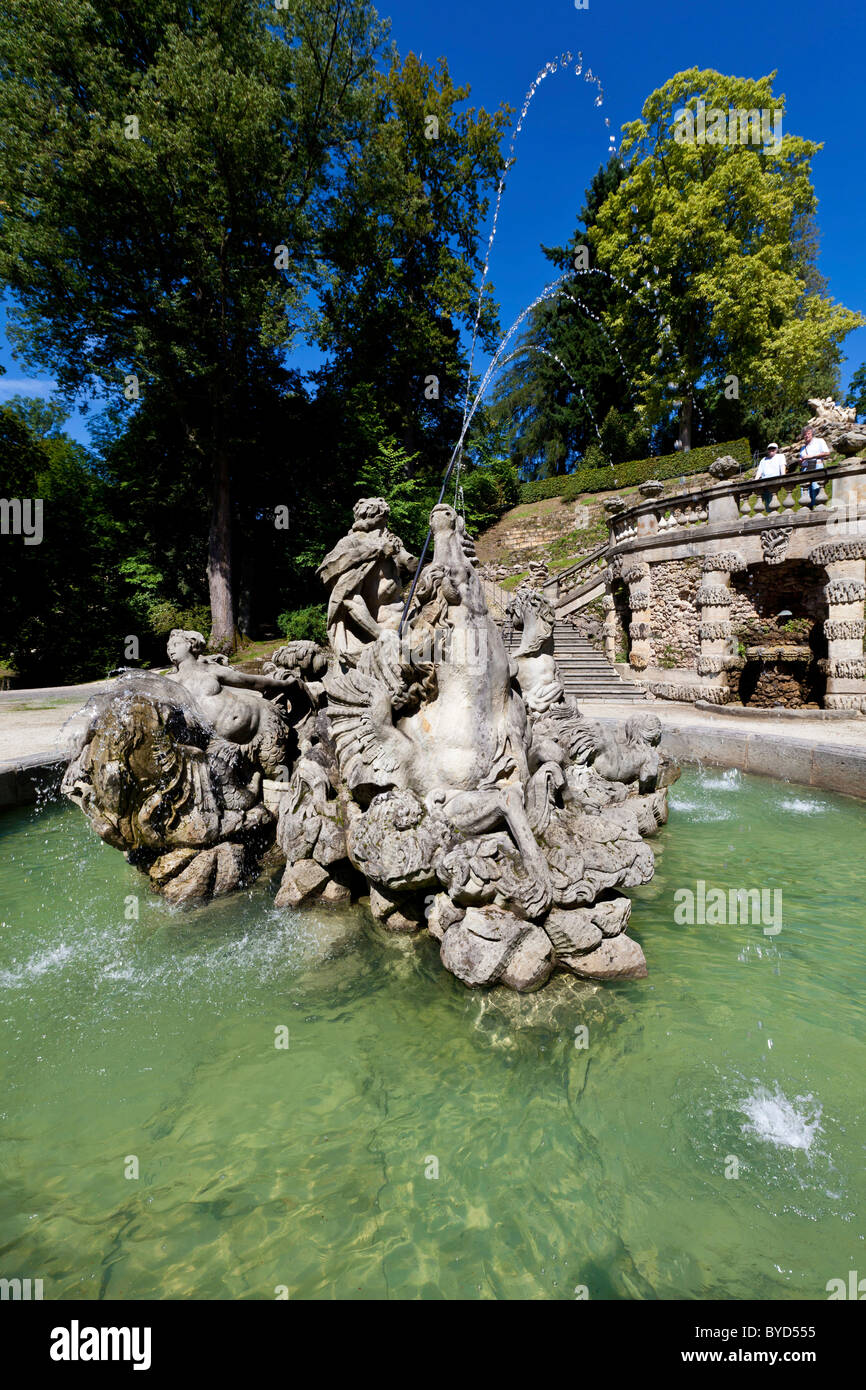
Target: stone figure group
[[412, 763]]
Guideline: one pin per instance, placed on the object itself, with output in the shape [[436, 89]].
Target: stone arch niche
[[618, 613], [780, 667], [844, 570]]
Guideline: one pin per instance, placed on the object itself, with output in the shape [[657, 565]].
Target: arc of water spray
[[547, 293], [549, 68]]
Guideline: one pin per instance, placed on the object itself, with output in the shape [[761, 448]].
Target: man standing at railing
[[812, 455], [772, 465]]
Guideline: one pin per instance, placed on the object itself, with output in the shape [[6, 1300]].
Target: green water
[[558, 1166]]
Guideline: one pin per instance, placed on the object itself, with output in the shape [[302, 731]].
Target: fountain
[[455, 785]]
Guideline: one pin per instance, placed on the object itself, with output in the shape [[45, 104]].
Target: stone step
[[584, 670]]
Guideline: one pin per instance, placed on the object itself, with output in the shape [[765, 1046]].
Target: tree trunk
[[219, 561], [686, 422]]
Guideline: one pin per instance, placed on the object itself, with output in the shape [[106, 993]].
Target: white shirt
[[815, 446], [771, 466]]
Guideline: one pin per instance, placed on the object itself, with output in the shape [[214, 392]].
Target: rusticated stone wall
[[675, 618]]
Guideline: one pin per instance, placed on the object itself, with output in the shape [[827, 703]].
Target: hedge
[[568, 486]]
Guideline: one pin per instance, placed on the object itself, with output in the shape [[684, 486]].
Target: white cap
[[772, 446]]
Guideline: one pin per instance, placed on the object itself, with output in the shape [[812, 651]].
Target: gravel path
[[31, 720]]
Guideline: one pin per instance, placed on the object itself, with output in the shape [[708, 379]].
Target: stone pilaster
[[717, 655], [609, 627], [845, 591], [637, 576]]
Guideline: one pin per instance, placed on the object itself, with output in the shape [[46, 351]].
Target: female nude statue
[[227, 700]]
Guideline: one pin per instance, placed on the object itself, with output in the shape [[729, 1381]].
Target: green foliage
[[404, 252], [389, 475], [573, 485], [615, 438], [164, 616], [158, 255], [717, 246], [63, 616], [857, 390], [567, 374], [305, 624], [594, 457]]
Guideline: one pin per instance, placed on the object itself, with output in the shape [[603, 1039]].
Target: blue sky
[[498, 46]]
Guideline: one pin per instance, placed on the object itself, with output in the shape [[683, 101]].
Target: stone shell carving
[[640, 632], [639, 598], [726, 561], [634, 573], [774, 543], [845, 591], [844, 631], [833, 551], [713, 596], [396, 841]]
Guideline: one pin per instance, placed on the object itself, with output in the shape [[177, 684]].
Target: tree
[[857, 390], [64, 614], [168, 171], [714, 239], [403, 248], [569, 375]]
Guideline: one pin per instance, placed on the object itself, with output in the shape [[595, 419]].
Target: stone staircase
[[584, 671]]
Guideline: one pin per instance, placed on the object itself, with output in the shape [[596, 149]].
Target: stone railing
[[589, 571], [706, 515], [732, 505], [497, 599]]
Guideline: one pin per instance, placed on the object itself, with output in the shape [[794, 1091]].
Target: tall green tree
[[570, 378], [857, 390], [405, 267], [64, 613], [167, 173], [715, 241]]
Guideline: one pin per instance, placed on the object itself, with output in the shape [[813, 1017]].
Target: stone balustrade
[[728, 528]]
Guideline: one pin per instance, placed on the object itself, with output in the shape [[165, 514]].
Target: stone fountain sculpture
[[417, 762]]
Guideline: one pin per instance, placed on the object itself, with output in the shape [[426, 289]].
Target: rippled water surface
[[311, 1168]]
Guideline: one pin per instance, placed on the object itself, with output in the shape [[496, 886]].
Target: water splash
[[771, 1117]]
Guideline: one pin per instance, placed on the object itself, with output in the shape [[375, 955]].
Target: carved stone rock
[[619, 958], [301, 880], [725, 467], [456, 779]]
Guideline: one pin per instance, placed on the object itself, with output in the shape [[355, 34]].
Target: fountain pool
[[310, 1170]]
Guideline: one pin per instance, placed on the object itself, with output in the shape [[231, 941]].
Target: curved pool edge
[[797, 755]]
